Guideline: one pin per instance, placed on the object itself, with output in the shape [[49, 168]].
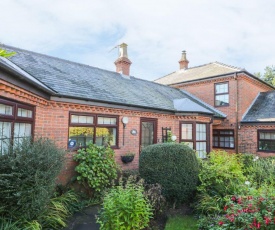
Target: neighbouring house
[[247, 101], [73, 104]]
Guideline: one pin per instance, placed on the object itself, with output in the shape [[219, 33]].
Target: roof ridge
[[198, 66], [230, 66], [53, 57], [193, 67]]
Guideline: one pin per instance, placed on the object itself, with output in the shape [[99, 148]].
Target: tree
[[268, 76], [4, 53]]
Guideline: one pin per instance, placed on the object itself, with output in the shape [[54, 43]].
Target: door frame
[[145, 119]]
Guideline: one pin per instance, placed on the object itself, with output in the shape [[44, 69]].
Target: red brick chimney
[[123, 63], [183, 61]]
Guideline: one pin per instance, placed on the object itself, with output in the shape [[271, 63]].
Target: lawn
[[181, 223]]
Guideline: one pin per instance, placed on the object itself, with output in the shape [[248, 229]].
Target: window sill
[[217, 106], [222, 147], [266, 151]]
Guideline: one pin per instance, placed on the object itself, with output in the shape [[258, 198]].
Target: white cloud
[[239, 33]]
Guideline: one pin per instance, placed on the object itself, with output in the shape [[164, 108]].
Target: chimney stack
[[183, 61], [123, 63]]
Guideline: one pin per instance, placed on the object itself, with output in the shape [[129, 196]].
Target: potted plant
[[128, 157]]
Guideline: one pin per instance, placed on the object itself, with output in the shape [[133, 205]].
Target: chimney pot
[[183, 61], [123, 63]]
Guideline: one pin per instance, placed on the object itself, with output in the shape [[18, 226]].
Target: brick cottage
[[247, 101], [73, 104]]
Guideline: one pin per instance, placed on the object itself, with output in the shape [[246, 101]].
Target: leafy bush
[[173, 166], [220, 172], [259, 170], [250, 212], [125, 207], [27, 178], [220, 175], [237, 192], [97, 166], [155, 198], [53, 217], [58, 210]]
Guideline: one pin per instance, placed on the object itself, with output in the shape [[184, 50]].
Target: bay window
[[195, 135], [98, 129], [16, 123]]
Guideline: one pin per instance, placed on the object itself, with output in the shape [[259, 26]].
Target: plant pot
[[127, 159]]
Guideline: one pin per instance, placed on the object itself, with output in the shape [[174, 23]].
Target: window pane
[[267, 145], [5, 135], [200, 132], [106, 121], [21, 130], [24, 113], [186, 131], [5, 109], [82, 119], [222, 100], [221, 88], [105, 136], [190, 144], [201, 149], [81, 135], [215, 143], [267, 142]]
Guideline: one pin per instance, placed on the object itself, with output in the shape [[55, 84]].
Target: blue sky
[[238, 33]]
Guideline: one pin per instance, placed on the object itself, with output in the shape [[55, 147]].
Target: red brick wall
[[248, 89], [248, 139], [52, 121]]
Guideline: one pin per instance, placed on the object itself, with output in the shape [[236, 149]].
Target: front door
[[148, 132]]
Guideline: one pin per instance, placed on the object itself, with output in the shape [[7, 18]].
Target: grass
[[181, 223]]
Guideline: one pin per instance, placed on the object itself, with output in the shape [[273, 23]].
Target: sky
[[237, 33]]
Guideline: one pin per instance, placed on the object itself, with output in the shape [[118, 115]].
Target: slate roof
[[196, 73], [74, 80], [262, 109]]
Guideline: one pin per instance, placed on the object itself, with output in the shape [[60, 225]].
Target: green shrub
[[27, 178], [153, 192], [220, 175], [173, 166], [58, 210], [259, 169], [125, 207], [250, 211], [97, 167]]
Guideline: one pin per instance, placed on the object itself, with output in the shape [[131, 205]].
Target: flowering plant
[[249, 212]]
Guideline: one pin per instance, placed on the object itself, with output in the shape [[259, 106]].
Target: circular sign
[[134, 132]]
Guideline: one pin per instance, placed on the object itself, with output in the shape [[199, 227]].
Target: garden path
[[84, 220]]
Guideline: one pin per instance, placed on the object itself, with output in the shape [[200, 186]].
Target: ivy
[[97, 167]]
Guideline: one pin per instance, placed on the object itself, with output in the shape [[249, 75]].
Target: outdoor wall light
[[174, 138], [125, 121]]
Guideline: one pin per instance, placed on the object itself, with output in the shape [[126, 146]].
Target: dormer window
[[221, 94]]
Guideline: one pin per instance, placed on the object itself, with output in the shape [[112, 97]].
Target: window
[[195, 136], [266, 140], [221, 94], [94, 128], [223, 139], [16, 122]]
